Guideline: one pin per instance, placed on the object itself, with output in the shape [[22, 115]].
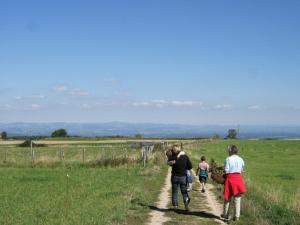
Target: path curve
[[157, 216]]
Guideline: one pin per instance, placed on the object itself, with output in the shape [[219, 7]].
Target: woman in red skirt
[[234, 185]]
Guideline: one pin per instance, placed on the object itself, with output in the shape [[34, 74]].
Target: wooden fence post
[[62, 154], [5, 156], [144, 156], [32, 151], [83, 155]]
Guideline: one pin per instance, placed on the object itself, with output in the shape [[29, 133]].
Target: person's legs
[[225, 209], [202, 181], [191, 186], [202, 186], [237, 203], [174, 191], [187, 184], [184, 192]]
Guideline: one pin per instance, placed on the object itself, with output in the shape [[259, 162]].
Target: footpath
[[204, 207]]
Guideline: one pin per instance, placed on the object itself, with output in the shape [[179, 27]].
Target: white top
[[234, 164]]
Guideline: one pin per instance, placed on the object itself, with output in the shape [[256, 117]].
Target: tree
[[59, 133], [232, 134], [3, 135], [139, 136]]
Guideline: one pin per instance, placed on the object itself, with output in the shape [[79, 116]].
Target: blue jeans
[[179, 181]]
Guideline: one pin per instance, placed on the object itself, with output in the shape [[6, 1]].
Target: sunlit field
[[52, 190], [272, 174]]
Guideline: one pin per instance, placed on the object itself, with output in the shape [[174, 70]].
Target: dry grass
[[294, 202], [150, 171]]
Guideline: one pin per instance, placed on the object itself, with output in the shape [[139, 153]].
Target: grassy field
[[85, 196], [272, 174], [11, 155], [72, 192]]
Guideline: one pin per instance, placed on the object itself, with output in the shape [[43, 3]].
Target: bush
[[3, 135], [27, 144], [232, 134], [59, 133], [138, 136]]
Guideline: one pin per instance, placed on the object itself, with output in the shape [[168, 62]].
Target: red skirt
[[233, 185]]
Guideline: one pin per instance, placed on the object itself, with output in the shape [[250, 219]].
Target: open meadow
[[272, 174], [89, 184], [108, 183]]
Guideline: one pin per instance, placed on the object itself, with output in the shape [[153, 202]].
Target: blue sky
[[190, 62]]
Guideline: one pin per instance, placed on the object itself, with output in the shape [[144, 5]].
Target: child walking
[[202, 172], [189, 180]]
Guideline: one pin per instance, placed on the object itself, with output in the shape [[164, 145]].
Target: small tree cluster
[[3, 135], [139, 136], [232, 134], [27, 144], [59, 133]]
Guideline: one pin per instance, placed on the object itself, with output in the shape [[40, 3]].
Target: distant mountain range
[[148, 130]]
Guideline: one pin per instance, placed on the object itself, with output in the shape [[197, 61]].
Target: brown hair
[[169, 152], [233, 150], [203, 158]]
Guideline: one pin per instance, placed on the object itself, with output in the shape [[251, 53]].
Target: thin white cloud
[[122, 93], [78, 92], [70, 91], [222, 107], [5, 107], [143, 104], [39, 96], [60, 88], [111, 80], [86, 106], [255, 107], [35, 106], [159, 101], [165, 103], [185, 103]]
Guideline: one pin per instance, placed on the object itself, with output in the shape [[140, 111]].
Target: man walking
[[180, 163]]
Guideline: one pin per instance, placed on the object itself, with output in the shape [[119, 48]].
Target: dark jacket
[[182, 164]]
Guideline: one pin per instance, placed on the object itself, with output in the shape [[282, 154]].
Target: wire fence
[[85, 154]]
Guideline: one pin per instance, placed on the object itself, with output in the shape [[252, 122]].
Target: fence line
[[84, 154]]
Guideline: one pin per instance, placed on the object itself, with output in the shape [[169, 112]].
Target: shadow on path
[[201, 214]]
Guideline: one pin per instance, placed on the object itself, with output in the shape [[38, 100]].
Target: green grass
[[272, 174], [89, 196], [12, 155]]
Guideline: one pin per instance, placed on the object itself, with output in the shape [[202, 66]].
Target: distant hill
[[147, 130]]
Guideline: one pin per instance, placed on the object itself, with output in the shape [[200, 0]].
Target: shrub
[[232, 134], [3, 135], [59, 133], [27, 143]]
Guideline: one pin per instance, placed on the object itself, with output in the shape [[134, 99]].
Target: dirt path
[[205, 208], [157, 215], [214, 207]]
